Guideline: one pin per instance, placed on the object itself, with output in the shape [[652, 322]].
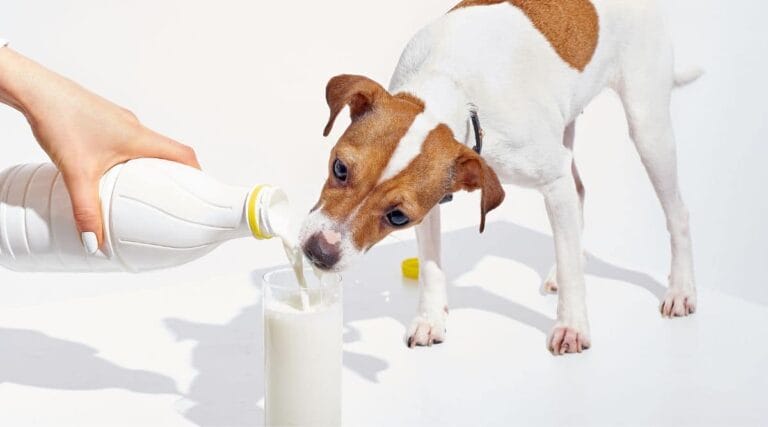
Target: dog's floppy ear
[[359, 92], [472, 173]]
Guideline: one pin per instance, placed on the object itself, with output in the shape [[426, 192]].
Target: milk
[[303, 350], [296, 260]]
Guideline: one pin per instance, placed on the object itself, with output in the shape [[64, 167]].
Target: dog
[[523, 70]]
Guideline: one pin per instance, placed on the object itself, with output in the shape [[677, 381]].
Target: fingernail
[[90, 242]]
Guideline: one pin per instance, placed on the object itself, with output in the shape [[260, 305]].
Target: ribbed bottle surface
[[157, 214]]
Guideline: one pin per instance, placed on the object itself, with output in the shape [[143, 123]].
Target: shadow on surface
[[229, 357], [34, 359]]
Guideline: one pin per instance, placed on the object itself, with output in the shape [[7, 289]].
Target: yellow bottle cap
[[253, 213], [411, 268]]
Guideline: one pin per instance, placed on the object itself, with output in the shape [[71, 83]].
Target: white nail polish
[[90, 242]]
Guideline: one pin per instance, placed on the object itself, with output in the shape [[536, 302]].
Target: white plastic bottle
[[157, 214]]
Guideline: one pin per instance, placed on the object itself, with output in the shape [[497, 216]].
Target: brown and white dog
[[529, 67]]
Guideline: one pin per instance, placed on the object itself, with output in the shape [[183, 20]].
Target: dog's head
[[386, 172]]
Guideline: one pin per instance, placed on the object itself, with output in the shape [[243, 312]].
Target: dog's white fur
[[527, 96], [410, 145]]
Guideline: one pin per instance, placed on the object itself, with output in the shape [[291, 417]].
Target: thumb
[[86, 207], [152, 144]]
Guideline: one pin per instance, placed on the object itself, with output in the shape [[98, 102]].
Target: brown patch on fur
[[571, 26], [444, 165], [412, 99], [471, 173], [379, 121]]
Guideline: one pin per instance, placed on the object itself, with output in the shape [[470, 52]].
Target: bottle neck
[[267, 212]]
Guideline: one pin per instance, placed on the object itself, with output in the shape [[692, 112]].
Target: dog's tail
[[686, 77]]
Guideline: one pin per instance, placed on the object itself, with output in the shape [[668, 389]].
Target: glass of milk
[[302, 349]]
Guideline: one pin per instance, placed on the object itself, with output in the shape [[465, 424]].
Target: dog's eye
[[340, 170], [397, 218]]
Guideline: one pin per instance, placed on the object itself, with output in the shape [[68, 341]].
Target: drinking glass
[[302, 349]]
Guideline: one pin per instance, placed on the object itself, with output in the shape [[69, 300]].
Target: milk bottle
[[157, 214]]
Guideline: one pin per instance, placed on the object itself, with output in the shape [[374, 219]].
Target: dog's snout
[[332, 237], [323, 249]]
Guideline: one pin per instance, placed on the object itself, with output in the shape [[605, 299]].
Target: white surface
[[244, 84], [191, 353]]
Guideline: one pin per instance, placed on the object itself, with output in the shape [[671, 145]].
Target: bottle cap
[[268, 212], [411, 268]]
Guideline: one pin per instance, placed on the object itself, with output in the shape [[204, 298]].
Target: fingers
[[152, 144], [86, 207]]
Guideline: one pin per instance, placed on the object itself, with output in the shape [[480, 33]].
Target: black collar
[[478, 132]]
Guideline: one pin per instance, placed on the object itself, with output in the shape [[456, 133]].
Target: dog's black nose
[[321, 253]]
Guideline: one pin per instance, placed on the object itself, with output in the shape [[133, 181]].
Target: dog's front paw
[[679, 303], [569, 337], [427, 329]]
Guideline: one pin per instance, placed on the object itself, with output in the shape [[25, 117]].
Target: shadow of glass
[[34, 359], [229, 361], [229, 357]]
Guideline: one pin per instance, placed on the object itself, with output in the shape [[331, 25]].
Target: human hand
[[83, 134]]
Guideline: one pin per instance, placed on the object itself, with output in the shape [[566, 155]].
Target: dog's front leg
[[571, 332], [429, 325]]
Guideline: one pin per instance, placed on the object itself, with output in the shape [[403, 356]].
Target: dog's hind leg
[[429, 325], [645, 92], [569, 137]]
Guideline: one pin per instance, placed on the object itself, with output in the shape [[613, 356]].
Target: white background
[[243, 83]]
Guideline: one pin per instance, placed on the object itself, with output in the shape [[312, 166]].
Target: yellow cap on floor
[[411, 268]]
